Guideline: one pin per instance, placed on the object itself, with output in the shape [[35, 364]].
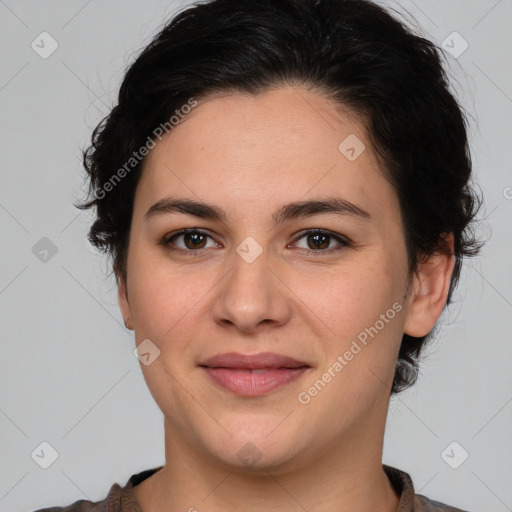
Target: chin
[[254, 450]]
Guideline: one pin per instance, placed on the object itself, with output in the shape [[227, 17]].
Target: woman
[[284, 189]]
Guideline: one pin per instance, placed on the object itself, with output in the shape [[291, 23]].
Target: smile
[[253, 375]]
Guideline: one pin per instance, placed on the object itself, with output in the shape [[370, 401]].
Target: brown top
[[122, 499]]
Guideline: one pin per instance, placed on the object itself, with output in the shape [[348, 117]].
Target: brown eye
[[191, 240], [318, 241], [321, 241], [194, 240]]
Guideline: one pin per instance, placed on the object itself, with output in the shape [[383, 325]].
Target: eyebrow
[[293, 210]]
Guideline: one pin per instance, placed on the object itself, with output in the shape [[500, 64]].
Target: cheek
[[362, 308], [161, 301], [349, 299], [165, 303]]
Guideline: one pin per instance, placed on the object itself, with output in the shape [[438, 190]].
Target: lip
[[253, 375], [252, 361]]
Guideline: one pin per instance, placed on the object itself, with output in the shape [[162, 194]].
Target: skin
[[250, 155]]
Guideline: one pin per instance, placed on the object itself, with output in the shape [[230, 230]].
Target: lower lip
[[246, 383]]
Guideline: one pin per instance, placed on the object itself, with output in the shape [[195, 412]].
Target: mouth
[[253, 375]]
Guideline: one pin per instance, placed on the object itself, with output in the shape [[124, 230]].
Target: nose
[[252, 296]]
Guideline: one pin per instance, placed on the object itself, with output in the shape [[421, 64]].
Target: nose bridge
[[250, 294]]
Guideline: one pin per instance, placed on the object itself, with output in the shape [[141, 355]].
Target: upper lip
[[252, 362]]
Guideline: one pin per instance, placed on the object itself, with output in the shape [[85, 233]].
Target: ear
[[429, 292], [122, 297]]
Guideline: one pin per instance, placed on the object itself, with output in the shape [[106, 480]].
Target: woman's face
[[252, 279]]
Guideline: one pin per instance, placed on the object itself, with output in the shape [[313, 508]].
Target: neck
[[346, 476]]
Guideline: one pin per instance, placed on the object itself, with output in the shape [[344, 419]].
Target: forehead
[[287, 142]]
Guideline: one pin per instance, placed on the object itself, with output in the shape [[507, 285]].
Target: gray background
[[67, 372]]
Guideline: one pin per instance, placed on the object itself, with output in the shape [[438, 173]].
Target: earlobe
[[122, 297], [429, 292]]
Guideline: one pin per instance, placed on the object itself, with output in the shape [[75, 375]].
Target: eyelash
[[343, 241]]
